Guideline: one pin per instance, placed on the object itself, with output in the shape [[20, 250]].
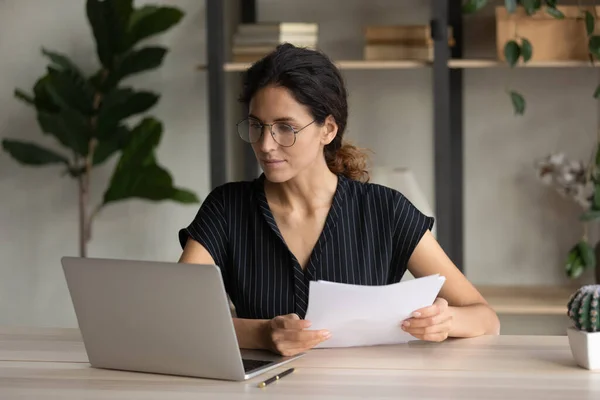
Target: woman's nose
[[267, 142]]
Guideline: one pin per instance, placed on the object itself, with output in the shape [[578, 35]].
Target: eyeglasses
[[251, 130]]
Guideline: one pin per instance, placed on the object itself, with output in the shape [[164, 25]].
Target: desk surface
[[51, 363]]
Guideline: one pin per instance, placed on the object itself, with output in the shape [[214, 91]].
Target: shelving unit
[[447, 76]]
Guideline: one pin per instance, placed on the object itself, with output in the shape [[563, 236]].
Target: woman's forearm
[[474, 320], [251, 333]]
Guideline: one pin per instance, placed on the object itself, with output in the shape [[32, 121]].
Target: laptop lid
[[158, 317]]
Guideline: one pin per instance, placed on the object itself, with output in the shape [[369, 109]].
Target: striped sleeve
[[411, 225], [209, 227]]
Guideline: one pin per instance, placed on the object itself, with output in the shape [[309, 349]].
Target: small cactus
[[584, 308]]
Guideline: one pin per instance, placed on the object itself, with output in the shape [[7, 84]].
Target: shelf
[[413, 64], [526, 300], [489, 63]]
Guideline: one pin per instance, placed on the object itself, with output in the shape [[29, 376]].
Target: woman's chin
[[277, 175]]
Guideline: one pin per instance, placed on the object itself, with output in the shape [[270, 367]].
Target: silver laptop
[[158, 317]]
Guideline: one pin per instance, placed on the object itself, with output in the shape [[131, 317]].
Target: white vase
[[585, 347]]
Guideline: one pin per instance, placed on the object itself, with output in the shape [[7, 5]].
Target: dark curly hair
[[315, 82]]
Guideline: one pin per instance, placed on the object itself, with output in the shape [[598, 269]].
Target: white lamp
[[404, 181]]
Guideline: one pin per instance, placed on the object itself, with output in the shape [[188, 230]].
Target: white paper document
[[358, 315]]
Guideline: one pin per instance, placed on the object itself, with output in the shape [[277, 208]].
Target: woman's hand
[[287, 336], [431, 323]]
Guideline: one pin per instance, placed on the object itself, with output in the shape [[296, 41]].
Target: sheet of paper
[[358, 315]]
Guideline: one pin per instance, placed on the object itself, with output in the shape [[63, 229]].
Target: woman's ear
[[329, 130]]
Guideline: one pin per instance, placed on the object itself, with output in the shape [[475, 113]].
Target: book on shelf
[[253, 41], [390, 52], [278, 28], [406, 34]]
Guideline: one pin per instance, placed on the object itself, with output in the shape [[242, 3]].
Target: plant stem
[[585, 232], [83, 228]]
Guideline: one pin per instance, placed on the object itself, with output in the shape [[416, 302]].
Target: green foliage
[[32, 154], [584, 308], [471, 6], [590, 23], [580, 257], [512, 52], [518, 102], [89, 115]]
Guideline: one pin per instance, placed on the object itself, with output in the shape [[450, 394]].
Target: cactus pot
[[585, 347]]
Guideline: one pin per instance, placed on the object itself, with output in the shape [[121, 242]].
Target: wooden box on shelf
[[400, 42], [552, 39]]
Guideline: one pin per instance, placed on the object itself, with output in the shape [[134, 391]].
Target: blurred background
[[518, 172]]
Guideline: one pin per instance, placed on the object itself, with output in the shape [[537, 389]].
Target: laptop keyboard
[[250, 365]]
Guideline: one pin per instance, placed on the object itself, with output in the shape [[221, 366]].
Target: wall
[[517, 232], [38, 217]]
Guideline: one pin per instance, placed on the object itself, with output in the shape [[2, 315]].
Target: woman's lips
[[273, 162]]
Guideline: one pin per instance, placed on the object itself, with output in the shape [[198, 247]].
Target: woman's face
[[275, 104]]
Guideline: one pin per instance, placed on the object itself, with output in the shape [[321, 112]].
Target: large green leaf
[[149, 21], [138, 61], [97, 18], [471, 6], [43, 99], [138, 175], [68, 92], [590, 23], [150, 182], [518, 102], [184, 196], [526, 49], [512, 52], [109, 20], [110, 145], [594, 45], [121, 104], [145, 137], [32, 154], [70, 128]]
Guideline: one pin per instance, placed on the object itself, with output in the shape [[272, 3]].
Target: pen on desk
[[275, 378]]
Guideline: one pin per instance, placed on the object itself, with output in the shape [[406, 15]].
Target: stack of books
[[253, 41], [400, 42]]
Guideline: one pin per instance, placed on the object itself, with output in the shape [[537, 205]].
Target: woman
[[311, 215]]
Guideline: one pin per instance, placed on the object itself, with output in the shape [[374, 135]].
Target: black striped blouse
[[368, 237]]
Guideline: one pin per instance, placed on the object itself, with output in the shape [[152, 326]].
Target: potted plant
[[90, 114], [584, 334]]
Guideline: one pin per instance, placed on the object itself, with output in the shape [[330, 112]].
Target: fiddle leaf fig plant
[[89, 115]]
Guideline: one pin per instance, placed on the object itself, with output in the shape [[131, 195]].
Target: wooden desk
[[51, 364]]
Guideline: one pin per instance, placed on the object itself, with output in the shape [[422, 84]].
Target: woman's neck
[[311, 190]]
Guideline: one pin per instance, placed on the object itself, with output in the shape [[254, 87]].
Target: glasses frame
[[262, 130]]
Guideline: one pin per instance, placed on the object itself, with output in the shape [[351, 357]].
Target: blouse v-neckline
[[333, 216]]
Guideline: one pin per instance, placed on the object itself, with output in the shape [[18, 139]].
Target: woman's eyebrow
[[280, 119]]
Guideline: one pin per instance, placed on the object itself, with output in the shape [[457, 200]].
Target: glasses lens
[[284, 134], [249, 130]]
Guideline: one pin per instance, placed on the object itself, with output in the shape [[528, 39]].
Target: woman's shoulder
[[229, 192], [369, 191]]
